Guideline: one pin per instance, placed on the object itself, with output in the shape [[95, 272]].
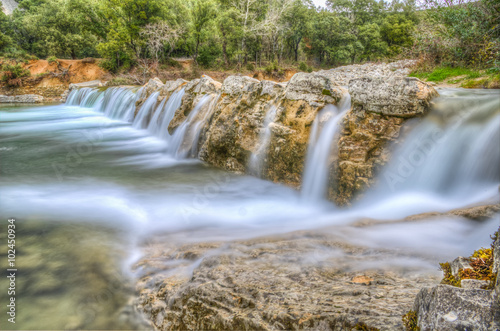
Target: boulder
[[449, 308], [193, 92], [392, 96], [474, 284]]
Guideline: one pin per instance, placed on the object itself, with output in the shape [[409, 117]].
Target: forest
[[245, 34]]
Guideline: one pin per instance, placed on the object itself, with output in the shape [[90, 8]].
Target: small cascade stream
[[325, 127], [257, 159], [173, 103], [184, 136], [142, 119]]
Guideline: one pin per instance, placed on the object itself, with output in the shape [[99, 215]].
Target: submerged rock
[[297, 281]]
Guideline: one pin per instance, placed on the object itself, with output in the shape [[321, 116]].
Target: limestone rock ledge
[[233, 121], [302, 280], [24, 98], [380, 108]]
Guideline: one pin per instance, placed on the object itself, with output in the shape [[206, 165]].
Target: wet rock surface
[[24, 98], [234, 130], [446, 307], [380, 107], [303, 280], [469, 307]]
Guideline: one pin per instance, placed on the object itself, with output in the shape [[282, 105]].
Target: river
[[88, 187]]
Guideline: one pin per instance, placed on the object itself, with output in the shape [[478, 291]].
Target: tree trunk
[[224, 47]]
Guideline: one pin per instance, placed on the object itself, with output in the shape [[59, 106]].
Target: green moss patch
[[410, 321]]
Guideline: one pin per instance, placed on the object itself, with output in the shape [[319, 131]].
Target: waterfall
[[141, 120], [119, 103], [183, 139], [316, 172], [84, 97], [453, 153], [257, 158], [114, 102], [173, 103]]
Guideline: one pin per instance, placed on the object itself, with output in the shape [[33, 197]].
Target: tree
[[56, 27], [299, 25], [203, 13], [159, 34]]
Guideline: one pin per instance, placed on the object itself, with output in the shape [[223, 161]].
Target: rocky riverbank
[[302, 280], [231, 136]]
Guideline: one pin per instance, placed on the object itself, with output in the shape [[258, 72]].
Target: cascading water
[[448, 160], [114, 102], [257, 158], [321, 140], [142, 119], [173, 103], [183, 138]]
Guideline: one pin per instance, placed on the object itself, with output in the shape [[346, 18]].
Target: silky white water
[[257, 159], [89, 186], [323, 137]]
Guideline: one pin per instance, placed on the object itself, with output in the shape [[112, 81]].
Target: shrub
[[250, 67], [481, 263], [117, 81], [172, 63], [309, 69], [12, 74], [52, 59], [303, 66]]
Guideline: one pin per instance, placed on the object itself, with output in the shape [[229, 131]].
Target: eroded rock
[[234, 130], [289, 282], [448, 308], [380, 107]]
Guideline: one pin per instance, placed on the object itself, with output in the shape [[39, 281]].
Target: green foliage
[[231, 32], [410, 321], [208, 54], [52, 59], [12, 74], [481, 262], [440, 74], [250, 67], [468, 33], [448, 278]]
